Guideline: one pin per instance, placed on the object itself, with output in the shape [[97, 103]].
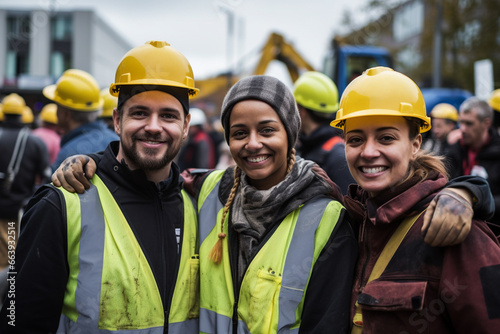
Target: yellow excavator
[[213, 90]]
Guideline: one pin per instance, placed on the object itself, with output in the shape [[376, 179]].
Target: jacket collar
[[85, 128], [394, 204], [123, 176]]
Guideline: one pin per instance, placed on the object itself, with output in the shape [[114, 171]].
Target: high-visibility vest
[[272, 292], [111, 286]]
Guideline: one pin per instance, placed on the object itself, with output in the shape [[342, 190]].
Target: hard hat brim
[[340, 122], [114, 89], [49, 92]]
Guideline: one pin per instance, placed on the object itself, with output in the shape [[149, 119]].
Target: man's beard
[[149, 162]]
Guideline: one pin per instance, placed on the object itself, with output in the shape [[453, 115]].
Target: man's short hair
[[482, 108], [82, 117]]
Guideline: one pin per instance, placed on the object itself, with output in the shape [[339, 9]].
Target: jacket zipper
[[367, 252], [363, 271], [164, 232], [166, 309], [233, 263]]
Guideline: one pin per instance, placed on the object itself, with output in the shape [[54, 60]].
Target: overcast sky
[[198, 28]]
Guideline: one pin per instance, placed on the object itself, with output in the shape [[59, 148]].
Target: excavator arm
[[214, 89], [277, 48]]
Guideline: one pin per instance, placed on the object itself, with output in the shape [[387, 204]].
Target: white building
[[37, 46]]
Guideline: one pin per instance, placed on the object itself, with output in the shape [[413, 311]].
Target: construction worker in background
[[444, 119], [79, 104], [24, 164], [27, 117], [48, 130], [198, 151], [216, 133], [317, 100], [121, 257], [494, 102], [478, 151], [110, 103]]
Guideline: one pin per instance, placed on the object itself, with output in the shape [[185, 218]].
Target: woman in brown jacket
[[402, 284]]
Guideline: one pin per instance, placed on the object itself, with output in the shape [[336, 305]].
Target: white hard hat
[[197, 116]]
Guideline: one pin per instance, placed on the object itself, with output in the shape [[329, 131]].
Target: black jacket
[[488, 158], [153, 212], [332, 161], [34, 168]]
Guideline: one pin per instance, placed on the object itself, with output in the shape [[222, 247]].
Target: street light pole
[[436, 76]]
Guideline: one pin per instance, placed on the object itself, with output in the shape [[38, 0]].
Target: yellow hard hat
[[75, 89], [494, 100], [445, 111], [27, 115], [13, 104], [385, 92], [49, 113], [154, 63], [1, 113], [110, 103], [316, 91]]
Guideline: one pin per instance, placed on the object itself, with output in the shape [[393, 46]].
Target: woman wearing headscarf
[[275, 245]]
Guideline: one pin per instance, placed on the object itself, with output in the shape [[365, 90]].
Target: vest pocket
[[264, 297], [194, 287]]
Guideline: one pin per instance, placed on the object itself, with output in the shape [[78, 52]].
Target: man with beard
[[121, 256]]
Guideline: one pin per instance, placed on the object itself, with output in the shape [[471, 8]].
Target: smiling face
[[151, 127], [379, 150], [258, 143]]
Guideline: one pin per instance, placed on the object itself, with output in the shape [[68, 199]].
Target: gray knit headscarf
[[271, 91]]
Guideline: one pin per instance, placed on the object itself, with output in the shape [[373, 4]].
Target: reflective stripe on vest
[[272, 292], [185, 306], [111, 286]]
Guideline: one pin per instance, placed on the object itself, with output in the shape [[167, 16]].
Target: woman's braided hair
[[215, 254]]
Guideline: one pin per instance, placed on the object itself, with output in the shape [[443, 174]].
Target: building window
[[408, 21], [17, 55], [59, 62], [61, 28], [18, 26], [61, 44]]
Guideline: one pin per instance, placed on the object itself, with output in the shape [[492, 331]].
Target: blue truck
[[343, 63]]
